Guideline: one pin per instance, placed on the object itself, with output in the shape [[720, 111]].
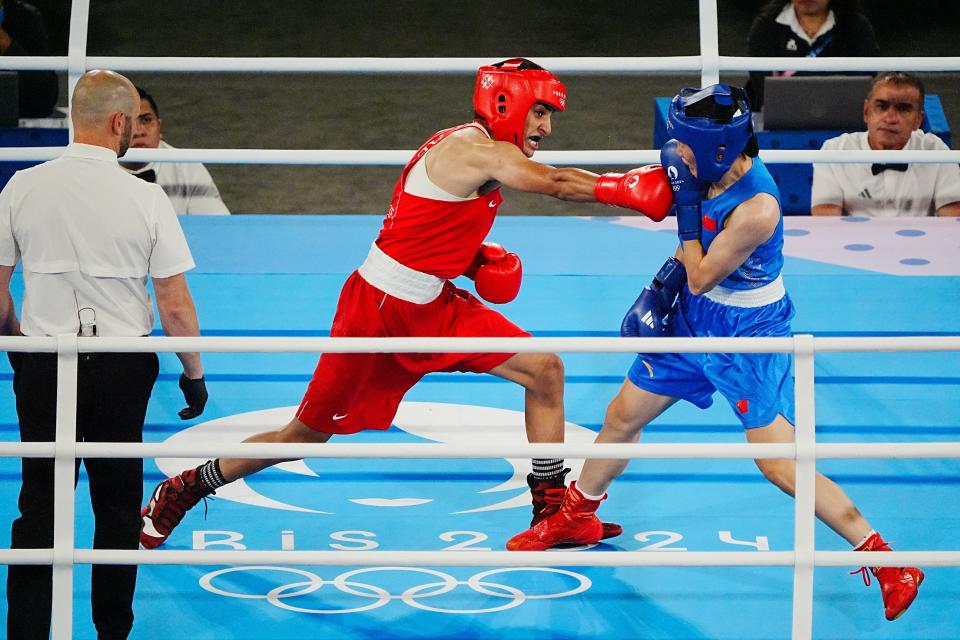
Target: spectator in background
[[22, 33], [188, 184], [893, 112], [88, 235], [807, 29]]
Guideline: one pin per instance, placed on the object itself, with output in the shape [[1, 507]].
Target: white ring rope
[[489, 558], [394, 157], [432, 66], [916, 344], [648, 451]]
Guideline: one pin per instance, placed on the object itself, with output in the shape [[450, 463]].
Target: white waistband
[[758, 297], [397, 280]]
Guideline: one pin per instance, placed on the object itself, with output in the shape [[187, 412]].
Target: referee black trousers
[[113, 390]]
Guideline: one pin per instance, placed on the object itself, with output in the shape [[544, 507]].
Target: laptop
[[9, 99], [815, 102]]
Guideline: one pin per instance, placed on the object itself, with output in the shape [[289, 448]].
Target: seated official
[[22, 33], [807, 29], [893, 112], [188, 184]]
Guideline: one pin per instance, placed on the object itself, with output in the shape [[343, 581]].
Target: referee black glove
[[195, 393]]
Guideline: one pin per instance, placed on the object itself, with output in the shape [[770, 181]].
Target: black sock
[[547, 467], [211, 476]]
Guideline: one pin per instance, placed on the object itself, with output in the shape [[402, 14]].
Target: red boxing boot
[[898, 585], [547, 496], [575, 522], [168, 504]]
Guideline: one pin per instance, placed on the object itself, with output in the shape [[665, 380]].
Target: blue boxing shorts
[[758, 386]]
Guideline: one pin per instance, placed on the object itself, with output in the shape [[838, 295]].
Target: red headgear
[[506, 91]]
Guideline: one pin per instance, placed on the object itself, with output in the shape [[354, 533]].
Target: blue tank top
[[764, 264]]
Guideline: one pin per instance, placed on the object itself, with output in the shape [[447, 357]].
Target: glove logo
[[647, 319], [672, 173], [632, 182], [486, 81]]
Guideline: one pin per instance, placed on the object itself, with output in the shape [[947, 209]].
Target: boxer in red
[[442, 208]]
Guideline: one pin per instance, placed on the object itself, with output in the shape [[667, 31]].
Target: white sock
[[588, 496], [865, 538]]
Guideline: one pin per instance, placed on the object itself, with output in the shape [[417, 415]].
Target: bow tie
[[151, 176], [880, 168]]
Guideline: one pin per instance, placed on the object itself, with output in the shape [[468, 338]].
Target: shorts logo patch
[[649, 368], [743, 406]]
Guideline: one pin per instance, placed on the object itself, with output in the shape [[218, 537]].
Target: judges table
[[42, 132], [795, 180]]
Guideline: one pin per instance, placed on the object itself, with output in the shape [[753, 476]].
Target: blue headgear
[[717, 132]]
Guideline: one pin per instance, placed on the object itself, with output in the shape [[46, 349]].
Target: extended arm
[[469, 162]]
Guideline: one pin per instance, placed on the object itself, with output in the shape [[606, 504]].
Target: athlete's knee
[[547, 375], [781, 473], [619, 424], [298, 432]]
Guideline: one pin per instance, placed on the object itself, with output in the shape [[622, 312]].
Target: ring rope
[[646, 451], [392, 157], [488, 558], [916, 344], [586, 65]]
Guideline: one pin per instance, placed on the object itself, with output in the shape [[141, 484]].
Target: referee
[[88, 235]]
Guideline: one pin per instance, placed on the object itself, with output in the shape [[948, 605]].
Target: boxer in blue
[[723, 281]]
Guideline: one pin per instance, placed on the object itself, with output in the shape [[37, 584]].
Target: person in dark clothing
[[806, 29], [90, 279], [22, 33]]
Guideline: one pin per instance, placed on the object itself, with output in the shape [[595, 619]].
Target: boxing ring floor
[[280, 275]]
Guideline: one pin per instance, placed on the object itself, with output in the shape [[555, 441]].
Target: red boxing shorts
[[352, 392]]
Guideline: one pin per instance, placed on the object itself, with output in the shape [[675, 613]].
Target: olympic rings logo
[[379, 596]]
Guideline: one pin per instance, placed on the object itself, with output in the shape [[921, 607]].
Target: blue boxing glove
[[647, 318], [687, 190]]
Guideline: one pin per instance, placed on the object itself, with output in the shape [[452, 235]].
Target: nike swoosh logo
[[149, 529], [492, 204], [340, 416]]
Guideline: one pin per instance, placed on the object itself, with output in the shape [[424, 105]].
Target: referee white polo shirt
[[88, 235], [919, 191]]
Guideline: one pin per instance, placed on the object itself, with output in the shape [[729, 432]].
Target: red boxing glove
[[497, 273], [488, 252], [646, 190]]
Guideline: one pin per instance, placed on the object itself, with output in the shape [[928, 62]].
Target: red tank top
[[435, 236]]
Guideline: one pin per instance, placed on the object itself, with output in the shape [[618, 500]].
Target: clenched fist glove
[[646, 190], [195, 393], [496, 273], [688, 192], [647, 318]]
